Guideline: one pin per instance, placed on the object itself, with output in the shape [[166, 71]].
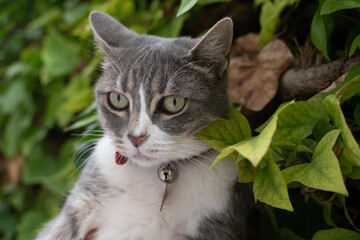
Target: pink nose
[[137, 141]]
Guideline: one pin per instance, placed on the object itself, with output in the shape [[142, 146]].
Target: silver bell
[[166, 174]]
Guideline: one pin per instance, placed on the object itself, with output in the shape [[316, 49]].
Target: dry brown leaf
[[247, 44], [253, 82], [12, 169]]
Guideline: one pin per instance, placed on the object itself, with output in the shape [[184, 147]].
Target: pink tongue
[[90, 235], [120, 159]]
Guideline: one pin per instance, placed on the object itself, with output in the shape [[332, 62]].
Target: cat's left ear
[[109, 32], [214, 46]]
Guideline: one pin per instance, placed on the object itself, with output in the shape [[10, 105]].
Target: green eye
[[118, 101], [173, 104]]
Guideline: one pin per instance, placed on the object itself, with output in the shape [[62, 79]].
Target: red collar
[[121, 159]]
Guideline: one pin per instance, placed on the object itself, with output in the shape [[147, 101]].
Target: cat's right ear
[[109, 32], [214, 46]]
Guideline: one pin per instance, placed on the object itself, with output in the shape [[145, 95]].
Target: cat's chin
[[147, 162], [144, 161]]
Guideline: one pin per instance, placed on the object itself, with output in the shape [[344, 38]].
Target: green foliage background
[[48, 64]]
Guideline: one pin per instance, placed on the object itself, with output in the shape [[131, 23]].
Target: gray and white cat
[[154, 95]]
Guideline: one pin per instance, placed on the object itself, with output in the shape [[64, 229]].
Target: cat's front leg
[[73, 223], [74, 220], [58, 228]]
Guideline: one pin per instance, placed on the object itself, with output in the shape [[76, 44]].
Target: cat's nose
[[137, 141]]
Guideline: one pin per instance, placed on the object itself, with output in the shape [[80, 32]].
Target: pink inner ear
[[90, 235]]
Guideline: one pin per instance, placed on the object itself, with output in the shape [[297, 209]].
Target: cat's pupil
[[174, 101], [118, 97]]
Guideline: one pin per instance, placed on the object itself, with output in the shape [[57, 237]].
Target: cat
[[153, 96]]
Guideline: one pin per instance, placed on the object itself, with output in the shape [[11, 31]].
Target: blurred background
[[48, 65]]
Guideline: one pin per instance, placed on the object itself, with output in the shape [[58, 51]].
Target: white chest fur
[[134, 211]]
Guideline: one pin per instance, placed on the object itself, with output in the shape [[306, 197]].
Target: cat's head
[[156, 93]]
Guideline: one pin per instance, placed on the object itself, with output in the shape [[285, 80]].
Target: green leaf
[[351, 150], [330, 6], [185, 6], [270, 12], [76, 13], [349, 89], [34, 135], [206, 2], [47, 17], [355, 173], [79, 101], [223, 133], [295, 121], [321, 128], [29, 223], [357, 114], [171, 28], [355, 44], [8, 222], [247, 172], [14, 96], [327, 213], [318, 34], [341, 199], [336, 234], [15, 129], [17, 69], [60, 56], [259, 2], [44, 169], [254, 149], [82, 122], [270, 186], [58, 186], [324, 170]]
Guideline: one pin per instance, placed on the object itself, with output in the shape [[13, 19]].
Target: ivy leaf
[[185, 6], [355, 44], [270, 186], [254, 149], [351, 150], [330, 6], [247, 172], [321, 128], [295, 121], [223, 133], [336, 234], [355, 173], [349, 89], [324, 170], [341, 199]]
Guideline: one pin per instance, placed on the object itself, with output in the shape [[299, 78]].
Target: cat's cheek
[[113, 123]]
